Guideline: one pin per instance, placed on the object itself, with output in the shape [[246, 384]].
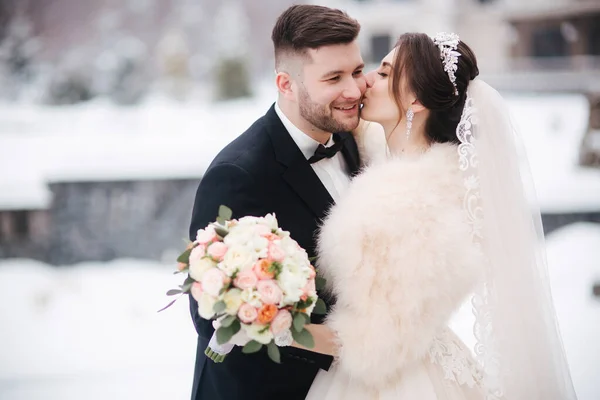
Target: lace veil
[[518, 342]]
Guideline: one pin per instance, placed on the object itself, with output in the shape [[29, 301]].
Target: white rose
[[291, 285], [206, 305], [233, 301], [260, 246], [251, 297], [260, 333], [199, 267], [238, 258], [310, 308], [248, 220]]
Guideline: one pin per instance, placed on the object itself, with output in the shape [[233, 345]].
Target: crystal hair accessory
[[448, 43]]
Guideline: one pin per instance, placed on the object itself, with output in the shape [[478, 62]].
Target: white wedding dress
[[411, 241]]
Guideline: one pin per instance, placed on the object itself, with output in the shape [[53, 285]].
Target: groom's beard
[[321, 117]]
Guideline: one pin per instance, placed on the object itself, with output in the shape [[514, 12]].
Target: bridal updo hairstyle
[[418, 62]]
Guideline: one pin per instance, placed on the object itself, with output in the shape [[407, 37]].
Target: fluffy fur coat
[[395, 251]]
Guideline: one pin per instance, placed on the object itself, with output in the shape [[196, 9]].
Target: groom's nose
[[355, 89]]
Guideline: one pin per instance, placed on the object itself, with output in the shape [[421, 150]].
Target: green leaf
[[273, 352], [185, 257], [173, 292], [219, 307], [311, 259], [221, 221], [300, 319], [224, 334], [225, 212], [304, 337], [252, 347], [320, 283], [320, 307], [227, 321], [221, 230], [187, 284], [168, 305], [303, 304]]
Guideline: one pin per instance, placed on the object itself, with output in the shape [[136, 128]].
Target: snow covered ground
[[91, 331]]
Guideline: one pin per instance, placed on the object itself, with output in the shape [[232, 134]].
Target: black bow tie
[[327, 152]]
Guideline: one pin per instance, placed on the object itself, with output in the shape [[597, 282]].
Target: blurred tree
[[18, 50], [231, 31]]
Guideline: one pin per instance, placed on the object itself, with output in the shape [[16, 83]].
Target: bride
[[441, 215]]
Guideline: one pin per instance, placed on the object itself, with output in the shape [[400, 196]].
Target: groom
[[288, 163]]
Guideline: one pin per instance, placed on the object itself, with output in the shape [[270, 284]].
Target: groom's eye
[[334, 79], [358, 73]]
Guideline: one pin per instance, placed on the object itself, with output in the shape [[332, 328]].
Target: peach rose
[[197, 253], [245, 280], [217, 250], [267, 313], [247, 313], [205, 236], [281, 322], [269, 291], [213, 281], [276, 253], [262, 269], [196, 291], [312, 273], [310, 289]]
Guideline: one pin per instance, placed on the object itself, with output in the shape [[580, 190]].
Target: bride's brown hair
[[418, 61]]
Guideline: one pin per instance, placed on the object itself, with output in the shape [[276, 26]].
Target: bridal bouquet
[[254, 281]]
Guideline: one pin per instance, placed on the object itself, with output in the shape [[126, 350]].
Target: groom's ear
[[285, 85]]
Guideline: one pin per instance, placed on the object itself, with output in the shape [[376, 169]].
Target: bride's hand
[[325, 340]]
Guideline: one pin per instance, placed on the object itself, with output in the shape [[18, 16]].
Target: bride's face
[[378, 103]]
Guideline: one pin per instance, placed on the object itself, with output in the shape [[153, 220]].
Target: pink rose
[[276, 253], [196, 291], [207, 235], [247, 313], [269, 291], [213, 281], [197, 253], [310, 289], [281, 322], [312, 273], [217, 250], [245, 280]]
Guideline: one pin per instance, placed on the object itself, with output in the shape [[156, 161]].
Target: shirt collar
[[305, 143]]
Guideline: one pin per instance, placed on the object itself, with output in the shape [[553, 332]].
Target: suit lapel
[[298, 173], [350, 153]]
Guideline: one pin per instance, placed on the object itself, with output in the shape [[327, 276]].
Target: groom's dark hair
[[303, 27]]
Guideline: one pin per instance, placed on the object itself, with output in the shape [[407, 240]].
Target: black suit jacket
[[263, 171]]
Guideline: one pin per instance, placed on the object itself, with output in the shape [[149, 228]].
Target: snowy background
[[122, 93], [92, 329]]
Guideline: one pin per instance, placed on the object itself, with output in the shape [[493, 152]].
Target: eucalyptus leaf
[[168, 305], [187, 284], [173, 292], [225, 212], [320, 283], [251, 347], [235, 326], [273, 352], [320, 307], [221, 231], [224, 334], [299, 321], [304, 337], [185, 257], [228, 320], [219, 307]]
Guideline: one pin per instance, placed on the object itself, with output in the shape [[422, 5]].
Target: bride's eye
[[382, 74]]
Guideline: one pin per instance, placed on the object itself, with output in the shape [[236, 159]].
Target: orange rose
[[267, 313], [262, 269]]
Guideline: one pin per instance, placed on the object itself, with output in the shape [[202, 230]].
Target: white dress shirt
[[333, 172]]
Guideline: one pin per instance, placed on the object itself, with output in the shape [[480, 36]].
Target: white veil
[[518, 340]]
